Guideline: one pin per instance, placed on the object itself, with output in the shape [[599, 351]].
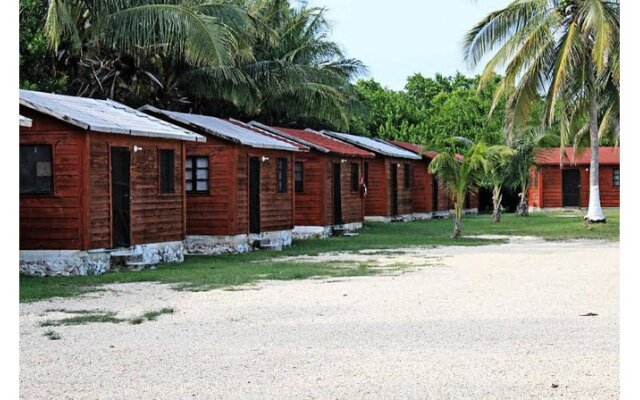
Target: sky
[[405, 36]]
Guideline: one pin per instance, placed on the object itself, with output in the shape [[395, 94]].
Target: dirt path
[[500, 321]]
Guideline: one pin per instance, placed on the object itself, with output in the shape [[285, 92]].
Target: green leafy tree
[[461, 165], [568, 49]]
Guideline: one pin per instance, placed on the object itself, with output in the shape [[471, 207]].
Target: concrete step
[[140, 265], [124, 257]]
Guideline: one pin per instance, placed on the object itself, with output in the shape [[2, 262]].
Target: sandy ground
[[492, 322]]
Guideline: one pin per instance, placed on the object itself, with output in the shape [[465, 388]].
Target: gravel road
[[492, 322]]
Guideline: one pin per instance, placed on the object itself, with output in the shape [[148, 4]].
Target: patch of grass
[[64, 310], [52, 335], [84, 319], [151, 315], [230, 271]]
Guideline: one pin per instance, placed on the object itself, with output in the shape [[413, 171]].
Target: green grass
[[230, 271], [52, 335], [85, 319], [151, 315]]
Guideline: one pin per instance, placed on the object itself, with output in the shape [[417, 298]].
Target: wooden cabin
[[239, 185], [96, 175], [388, 178], [327, 181], [554, 186]]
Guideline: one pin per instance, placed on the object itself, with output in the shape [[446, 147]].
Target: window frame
[[408, 178], [355, 177], [295, 180], [281, 180], [51, 192], [365, 172], [161, 189], [194, 174], [613, 177]]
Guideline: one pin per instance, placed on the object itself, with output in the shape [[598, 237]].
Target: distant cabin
[[388, 177], [97, 176], [429, 195], [239, 185], [554, 186], [328, 183]]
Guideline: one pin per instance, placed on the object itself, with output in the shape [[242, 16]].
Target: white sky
[[396, 39]]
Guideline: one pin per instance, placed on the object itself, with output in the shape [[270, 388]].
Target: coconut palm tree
[[500, 176], [564, 50], [461, 165], [130, 47]]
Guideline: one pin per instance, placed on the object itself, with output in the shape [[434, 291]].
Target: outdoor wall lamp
[[264, 158], [343, 160], [136, 149]]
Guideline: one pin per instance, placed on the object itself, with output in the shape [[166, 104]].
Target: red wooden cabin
[[327, 183], [96, 175], [553, 186], [239, 185], [430, 196], [388, 177]]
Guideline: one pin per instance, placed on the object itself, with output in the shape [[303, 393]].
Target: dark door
[[254, 195], [570, 188], [337, 196], [394, 189], [120, 196], [434, 194]]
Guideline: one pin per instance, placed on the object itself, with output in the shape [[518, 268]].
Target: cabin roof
[[375, 145], [316, 140], [416, 148], [106, 116], [224, 129], [299, 146], [551, 156], [24, 121]]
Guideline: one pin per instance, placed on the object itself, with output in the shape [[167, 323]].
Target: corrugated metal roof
[[24, 121], [223, 129], [551, 156], [103, 116], [316, 140], [416, 148], [377, 146], [299, 146]]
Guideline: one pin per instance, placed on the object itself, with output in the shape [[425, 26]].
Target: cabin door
[[434, 194], [337, 196], [394, 189], [254, 195], [120, 196], [570, 188]]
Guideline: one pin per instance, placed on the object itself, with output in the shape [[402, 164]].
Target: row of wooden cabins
[[104, 185]]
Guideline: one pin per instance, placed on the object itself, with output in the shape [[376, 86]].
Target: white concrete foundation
[[218, 244], [374, 218], [276, 240], [466, 211], [311, 232], [95, 261], [421, 216]]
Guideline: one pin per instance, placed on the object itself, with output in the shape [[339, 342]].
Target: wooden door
[[337, 195], [570, 187], [394, 189], [120, 196], [434, 194], [254, 195]]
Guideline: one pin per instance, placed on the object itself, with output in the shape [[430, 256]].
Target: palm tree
[[461, 165], [295, 71], [120, 48], [499, 177], [525, 147], [567, 50]]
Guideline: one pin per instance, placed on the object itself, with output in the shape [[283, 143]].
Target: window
[[197, 174], [167, 172], [407, 176], [355, 177], [616, 176], [282, 175], [298, 174], [36, 175], [366, 173]]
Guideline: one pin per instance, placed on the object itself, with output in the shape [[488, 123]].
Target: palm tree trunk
[[457, 225], [594, 213], [523, 207], [497, 200]]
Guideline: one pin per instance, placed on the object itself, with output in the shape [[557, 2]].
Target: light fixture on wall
[[343, 160], [264, 158], [136, 149]]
